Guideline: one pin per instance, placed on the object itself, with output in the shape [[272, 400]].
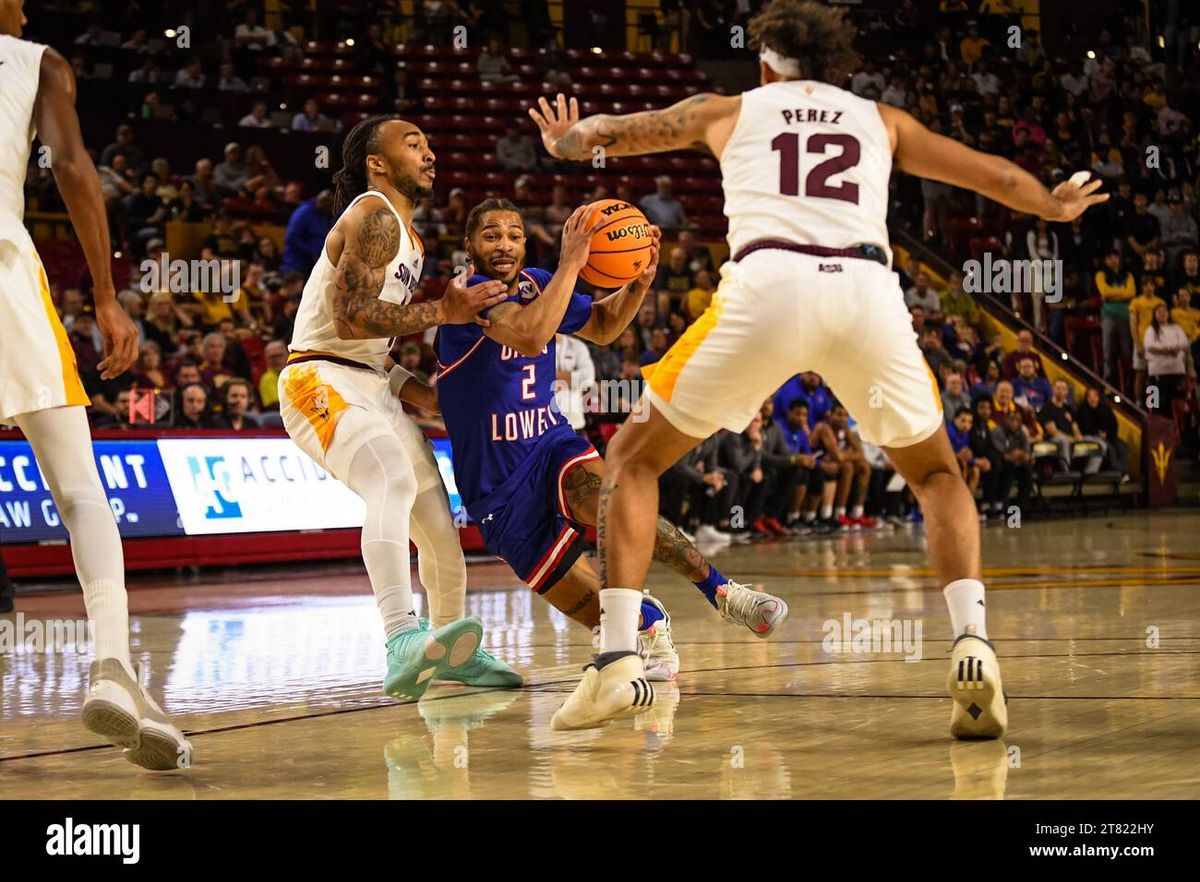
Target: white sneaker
[[980, 706], [602, 695], [657, 647], [119, 708], [710, 535], [757, 610]]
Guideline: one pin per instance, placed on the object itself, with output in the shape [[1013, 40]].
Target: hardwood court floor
[[276, 677]]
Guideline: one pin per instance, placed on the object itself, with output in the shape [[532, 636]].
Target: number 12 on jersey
[[816, 183]]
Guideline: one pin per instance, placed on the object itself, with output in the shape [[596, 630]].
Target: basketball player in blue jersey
[[527, 479]]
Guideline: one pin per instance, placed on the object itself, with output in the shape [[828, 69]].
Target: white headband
[[781, 64]]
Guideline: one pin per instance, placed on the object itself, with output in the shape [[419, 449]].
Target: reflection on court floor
[[275, 675]]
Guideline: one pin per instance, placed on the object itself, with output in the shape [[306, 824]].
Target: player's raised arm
[[528, 327], [701, 122], [927, 154], [57, 126], [611, 315], [369, 235]]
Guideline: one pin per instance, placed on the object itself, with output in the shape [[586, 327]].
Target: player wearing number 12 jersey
[[809, 287]]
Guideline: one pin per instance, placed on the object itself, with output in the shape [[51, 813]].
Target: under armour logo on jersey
[[526, 291]]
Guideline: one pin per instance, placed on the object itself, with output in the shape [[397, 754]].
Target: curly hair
[[819, 37]]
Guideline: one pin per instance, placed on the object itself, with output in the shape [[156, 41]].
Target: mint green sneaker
[[484, 669], [419, 654]]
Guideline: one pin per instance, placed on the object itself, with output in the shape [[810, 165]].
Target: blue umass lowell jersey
[[497, 403]]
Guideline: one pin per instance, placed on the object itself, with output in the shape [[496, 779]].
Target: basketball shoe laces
[[741, 605]]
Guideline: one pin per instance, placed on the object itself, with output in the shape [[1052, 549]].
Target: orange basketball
[[620, 248]]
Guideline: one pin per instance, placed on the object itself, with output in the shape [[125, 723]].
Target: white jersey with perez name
[[807, 163], [316, 331], [20, 73]]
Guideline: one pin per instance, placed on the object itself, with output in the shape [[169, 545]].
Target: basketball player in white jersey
[[809, 288], [340, 405], [40, 389]]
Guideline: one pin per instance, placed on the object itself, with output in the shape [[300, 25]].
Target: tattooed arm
[[366, 240], [701, 122]]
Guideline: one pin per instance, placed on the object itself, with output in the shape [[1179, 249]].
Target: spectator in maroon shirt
[[1010, 364]]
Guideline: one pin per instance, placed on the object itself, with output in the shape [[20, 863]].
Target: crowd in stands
[[1131, 268], [1114, 102]]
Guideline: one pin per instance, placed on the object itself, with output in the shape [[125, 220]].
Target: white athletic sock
[[108, 611], [826, 512], [63, 447], [964, 597], [619, 611], [439, 557], [856, 512], [839, 512], [810, 516]]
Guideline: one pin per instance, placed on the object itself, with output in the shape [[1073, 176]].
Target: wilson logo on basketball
[[638, 231]]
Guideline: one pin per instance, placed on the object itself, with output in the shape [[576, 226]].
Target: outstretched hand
[[554, 121], [1073, 198]]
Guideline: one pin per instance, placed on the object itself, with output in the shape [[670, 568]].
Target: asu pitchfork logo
[[1162, 459]]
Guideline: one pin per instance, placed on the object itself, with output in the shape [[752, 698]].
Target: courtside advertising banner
[[195, 487], [131, 473], [247, 485]]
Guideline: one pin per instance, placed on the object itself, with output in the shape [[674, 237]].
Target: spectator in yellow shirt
[[213, 308], [1115, 286], [1141, 311], [698, 299], [1185, 315], [268, 384], [972, 45], [1188, 318]]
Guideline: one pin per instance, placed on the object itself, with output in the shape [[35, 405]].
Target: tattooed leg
[[577, 594], [583, 489], [673, 549]]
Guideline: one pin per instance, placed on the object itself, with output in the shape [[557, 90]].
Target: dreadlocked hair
[[351, 180], [819, 37]]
